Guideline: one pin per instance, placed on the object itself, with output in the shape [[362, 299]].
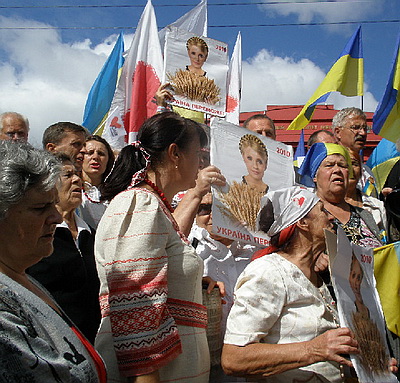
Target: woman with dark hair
[[97, 163], [38, 342], [153, 323]]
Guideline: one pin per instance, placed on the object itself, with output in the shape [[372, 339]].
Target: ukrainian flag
[[387, 275], [346, 76], [386, 120], [300, 151], [102, 92], [381, 162]]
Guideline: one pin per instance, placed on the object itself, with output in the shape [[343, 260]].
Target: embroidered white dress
[[150, 294], [275, 303]]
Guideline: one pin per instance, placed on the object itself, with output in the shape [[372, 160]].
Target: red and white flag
[[234, 83], [141, 76]]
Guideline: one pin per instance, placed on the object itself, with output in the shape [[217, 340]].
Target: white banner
[[352, 270], [197, 70], [252, 164]]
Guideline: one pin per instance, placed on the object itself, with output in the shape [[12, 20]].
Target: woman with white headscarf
[[283, 326]]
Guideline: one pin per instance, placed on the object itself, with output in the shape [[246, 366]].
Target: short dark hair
[[55, 133], [155, 136], [313, 138], [259, 116]]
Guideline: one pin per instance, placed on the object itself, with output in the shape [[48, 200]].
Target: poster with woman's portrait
[[252, 164], [352, 269], [197, 68]]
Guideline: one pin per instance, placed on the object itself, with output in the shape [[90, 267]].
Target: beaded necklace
[[160, 194]]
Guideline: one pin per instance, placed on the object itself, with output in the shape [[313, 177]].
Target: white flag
[[141, 75], [194, 21], [234, 85]]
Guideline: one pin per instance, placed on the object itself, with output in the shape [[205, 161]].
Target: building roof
[[283, 115]]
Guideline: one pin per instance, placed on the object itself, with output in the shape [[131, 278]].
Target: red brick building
[[283, 115]]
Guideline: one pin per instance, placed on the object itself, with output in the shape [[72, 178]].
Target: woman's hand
[[206, 177], [321, 263], [393, 366], [332, 344], [211, 284], [163, 95]]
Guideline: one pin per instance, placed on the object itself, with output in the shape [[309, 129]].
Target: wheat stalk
[[373, 356], [194, 87], [242, 203]]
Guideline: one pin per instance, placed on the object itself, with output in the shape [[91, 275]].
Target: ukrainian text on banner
[[359, 307], [251, 164], [197, 68]]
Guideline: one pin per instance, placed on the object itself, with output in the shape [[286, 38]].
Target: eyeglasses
[[16, 134], [357, 128], [204, 209]]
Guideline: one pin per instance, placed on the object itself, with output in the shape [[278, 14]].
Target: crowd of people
[[103, 280]]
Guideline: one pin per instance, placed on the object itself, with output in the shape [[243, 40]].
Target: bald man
[[261, 124], [13, 126]]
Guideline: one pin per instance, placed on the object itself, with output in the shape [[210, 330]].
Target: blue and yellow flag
[[346, 76], [386, 120], [387, 275], [381, 162], [102, 92], [300, 151]]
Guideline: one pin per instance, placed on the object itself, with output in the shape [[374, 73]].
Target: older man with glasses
[[13, 126], [350, 129]]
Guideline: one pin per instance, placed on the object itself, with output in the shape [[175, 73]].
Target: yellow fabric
[[192, 114], [346, 76], [387, 275]]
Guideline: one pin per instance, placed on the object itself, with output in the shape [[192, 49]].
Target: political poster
[[359, 307], [197, 69], [252, 164]]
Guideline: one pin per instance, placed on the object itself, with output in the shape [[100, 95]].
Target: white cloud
[[44, 78], [48, 80], [332, 11], [272, 80]]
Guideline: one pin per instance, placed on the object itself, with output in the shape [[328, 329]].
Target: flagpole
[[362, 102]]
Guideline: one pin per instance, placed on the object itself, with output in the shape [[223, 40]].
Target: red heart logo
[[114, 123], [300, 201]]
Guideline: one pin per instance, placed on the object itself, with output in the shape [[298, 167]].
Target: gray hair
[[340, 116], [15, 115], [22, 167]]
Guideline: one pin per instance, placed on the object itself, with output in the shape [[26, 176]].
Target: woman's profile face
[[256, 163], [69, 187], [197, 56]]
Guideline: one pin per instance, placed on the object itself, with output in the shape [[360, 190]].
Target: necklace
[[160, 194]]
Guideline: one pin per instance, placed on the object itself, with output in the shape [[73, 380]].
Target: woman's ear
[[303, 224], [173, 153]]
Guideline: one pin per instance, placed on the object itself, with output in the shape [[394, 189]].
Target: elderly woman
[[328, 166], [38, 342], [98, 160], [283, 326], [70, 272], [153, 322]]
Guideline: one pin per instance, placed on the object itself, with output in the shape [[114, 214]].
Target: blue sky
[[47, 73]]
